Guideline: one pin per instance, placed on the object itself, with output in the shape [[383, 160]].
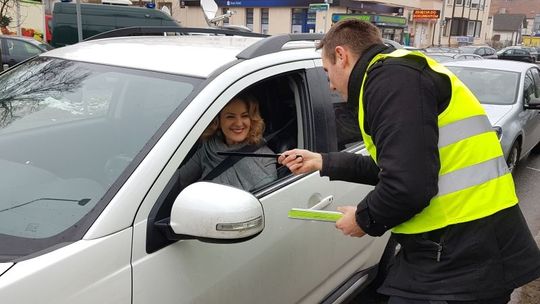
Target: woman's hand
[[301, 161]]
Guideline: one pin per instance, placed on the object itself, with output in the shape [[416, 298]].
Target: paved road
[[527, 180]]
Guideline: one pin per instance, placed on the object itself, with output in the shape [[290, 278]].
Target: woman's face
[[235, 122]]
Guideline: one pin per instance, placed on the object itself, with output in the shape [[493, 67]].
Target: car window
[[347, 129], [528, 87], [481, 51], [22, 48], [520, 52], [67, 132], [536, 77], [277, 107]]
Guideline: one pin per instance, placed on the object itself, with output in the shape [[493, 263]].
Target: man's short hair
[[355, 34]]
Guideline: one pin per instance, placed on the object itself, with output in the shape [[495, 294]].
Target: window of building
[[303, 21], [478, 29], [475, 3], [470, 28], [458, 2], [249, 18], [264, 20], [458, 27]]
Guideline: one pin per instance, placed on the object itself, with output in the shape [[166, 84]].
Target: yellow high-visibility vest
[[474, 180]]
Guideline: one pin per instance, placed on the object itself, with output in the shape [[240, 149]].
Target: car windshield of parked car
[[67, 131], [489, 86]]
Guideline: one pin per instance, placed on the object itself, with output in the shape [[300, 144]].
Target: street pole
[[79, 19], [442, 21], [18, 16], [326, 14]]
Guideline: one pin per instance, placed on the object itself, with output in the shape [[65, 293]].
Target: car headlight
[[498, 131]]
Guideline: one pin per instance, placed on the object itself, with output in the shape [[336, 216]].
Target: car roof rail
[[163, 30], [275, 44]]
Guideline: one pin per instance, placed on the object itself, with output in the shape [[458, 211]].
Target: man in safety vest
[[441, 181]]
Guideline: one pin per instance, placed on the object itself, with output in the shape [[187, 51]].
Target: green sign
[[393, 21], [338, 17], [316, 7]]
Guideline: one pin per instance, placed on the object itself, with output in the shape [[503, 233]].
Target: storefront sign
[[338, 17], [317, 7], [426, 14], [381, 20], [390, 20]]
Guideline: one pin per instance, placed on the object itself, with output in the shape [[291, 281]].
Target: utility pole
[[18, 16], [442, 21], [79, 19]]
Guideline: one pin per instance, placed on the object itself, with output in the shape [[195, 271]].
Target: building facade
[[455, 22]]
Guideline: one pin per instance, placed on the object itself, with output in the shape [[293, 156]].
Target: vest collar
[[357, 74]]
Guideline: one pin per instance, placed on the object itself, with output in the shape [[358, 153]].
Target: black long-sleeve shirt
[[402, 99], [480, 259]]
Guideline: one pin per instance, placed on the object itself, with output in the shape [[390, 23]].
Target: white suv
[[91, 136]]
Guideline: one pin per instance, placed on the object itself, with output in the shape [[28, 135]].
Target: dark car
[[16, 49], [534, 52], [516, 53], [481, 50]]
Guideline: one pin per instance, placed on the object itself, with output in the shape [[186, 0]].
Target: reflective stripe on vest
[[474, 181]]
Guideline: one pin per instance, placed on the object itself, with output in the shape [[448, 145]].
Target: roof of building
[[528, 7], [508, 22]]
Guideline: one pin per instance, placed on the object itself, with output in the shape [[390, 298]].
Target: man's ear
[[342, 56]]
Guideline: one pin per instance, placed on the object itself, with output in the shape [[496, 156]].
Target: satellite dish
[[166, 10], [210, 9]]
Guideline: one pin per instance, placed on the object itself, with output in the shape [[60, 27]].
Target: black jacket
[[402, 100]]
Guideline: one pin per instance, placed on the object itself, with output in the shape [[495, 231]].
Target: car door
[[531, 117], [508, 54], [291, 260]]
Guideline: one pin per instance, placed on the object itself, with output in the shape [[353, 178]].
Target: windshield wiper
[[80, 202]]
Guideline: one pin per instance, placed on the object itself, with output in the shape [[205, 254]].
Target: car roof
[[493, 64], [194, 55]]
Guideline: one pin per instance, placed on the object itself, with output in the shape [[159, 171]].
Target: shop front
[[392, 27]]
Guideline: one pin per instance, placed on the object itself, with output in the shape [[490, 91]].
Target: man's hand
[[347, 223], [301, 161]]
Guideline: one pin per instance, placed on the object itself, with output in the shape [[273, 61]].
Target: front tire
[[513, 158]]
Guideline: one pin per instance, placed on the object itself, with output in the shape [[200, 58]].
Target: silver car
[[510, 93], [91, 207]]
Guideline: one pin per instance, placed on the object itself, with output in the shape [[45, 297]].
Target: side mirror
[[213, 213], [533, 103]]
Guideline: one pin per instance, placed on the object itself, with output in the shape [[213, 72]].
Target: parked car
[[534, 52], [15, 49], [510, 93], [445, 57], [516, 53], [481, 50], [91, 210], [99, 18]]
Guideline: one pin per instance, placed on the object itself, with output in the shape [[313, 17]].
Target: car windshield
[[67, 132], [489, 86]]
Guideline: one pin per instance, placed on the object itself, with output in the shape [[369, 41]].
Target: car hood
[[4, 267], [496, 112]]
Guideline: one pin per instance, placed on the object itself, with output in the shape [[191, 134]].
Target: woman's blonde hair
[[256, 130]]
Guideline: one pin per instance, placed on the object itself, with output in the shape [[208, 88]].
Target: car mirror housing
[[533, 104], [213, 213]]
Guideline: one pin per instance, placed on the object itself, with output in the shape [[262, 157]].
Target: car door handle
[[323, 203]]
